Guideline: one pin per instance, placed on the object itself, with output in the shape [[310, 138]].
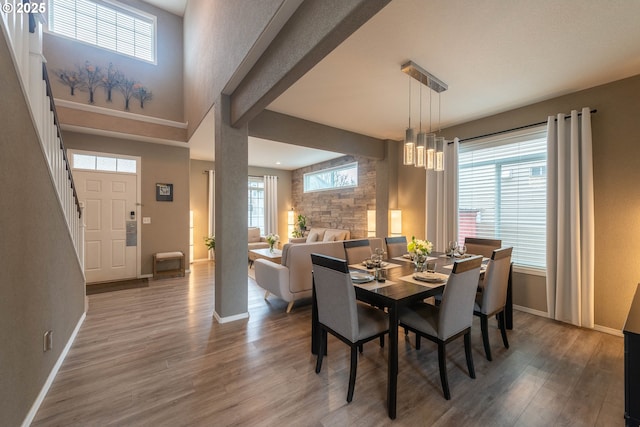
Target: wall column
[[231, 154]]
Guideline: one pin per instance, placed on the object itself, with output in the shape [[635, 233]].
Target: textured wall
[[343, 208], [41, 281]]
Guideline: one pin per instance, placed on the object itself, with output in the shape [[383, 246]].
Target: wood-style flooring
[[156, 357]]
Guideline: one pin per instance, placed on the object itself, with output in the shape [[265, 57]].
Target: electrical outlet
[[47, 341], [146, 220]]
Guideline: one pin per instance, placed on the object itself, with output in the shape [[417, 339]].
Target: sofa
[[323, 235], [256, 241], [292, 280]]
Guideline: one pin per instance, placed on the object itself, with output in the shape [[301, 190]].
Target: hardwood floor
[[155, 357]]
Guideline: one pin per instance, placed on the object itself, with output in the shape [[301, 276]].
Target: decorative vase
[[419, 261], [271, 247]]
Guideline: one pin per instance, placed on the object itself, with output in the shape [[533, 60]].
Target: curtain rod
[[514, 129]]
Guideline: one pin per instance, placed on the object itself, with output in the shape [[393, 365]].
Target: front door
[[110, 207]]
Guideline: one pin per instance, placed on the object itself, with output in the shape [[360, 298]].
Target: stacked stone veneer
[[344, 208]]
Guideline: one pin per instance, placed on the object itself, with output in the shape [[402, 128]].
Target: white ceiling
[[495, 55], [174, 6]]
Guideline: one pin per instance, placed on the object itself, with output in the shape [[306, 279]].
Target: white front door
[[110, 207]]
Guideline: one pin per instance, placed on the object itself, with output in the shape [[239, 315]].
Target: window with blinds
[[332, 178], [105, 24], [502, 193], [256, 203]]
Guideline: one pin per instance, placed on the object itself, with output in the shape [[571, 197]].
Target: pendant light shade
[[439, 166], [409, 147], [421, 145], [431, 151]]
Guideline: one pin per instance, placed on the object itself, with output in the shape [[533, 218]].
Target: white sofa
[[323, 235], [292, 280]]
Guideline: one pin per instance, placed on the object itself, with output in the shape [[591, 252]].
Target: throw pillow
[[329, 237], [312, 237]]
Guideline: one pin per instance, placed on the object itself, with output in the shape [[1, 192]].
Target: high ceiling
[[495, 55]]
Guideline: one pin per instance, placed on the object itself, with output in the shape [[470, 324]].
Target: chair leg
[[484, 325], [360, 348], [321, 348], [289, 306], [503, 329], [382, 341], [406, 331], [418, 337], [442, 361], [352, 373], [467, 352]]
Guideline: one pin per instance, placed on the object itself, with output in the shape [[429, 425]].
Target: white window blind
[[256, 203], [502, 189], [105, 24]]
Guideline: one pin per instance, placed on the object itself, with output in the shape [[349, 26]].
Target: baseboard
[[230, 318], [145, 276], [52, 375], [531, 311], [607, 330]]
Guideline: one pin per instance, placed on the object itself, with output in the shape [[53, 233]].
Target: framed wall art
[[164, 192]]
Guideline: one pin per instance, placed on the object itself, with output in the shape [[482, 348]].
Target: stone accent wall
[[342, 208]]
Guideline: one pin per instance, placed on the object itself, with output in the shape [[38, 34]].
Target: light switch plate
[[146, 220]]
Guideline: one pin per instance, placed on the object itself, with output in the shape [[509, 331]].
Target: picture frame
[[164, 192]]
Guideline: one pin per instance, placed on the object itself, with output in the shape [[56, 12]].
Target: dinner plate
[[361, 277], [430, 277]]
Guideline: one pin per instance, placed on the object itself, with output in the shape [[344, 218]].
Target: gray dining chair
[[484, 247], [341, 315], [492, 299], [356, 251], [396, 246], [449, 320]]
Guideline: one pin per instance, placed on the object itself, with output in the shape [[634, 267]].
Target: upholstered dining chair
[[357, 251], [484, 247], [493, 297], [396, 246], [341, 315], [449, 320]]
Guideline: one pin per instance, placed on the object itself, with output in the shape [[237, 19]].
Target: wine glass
[[453, 245], [462, 249]]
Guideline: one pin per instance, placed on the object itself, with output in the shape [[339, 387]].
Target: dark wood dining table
[[393, 297]]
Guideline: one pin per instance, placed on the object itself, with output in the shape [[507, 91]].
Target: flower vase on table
[[272, 239], [419, 249]]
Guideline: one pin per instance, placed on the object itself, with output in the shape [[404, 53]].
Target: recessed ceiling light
[[277, 163]]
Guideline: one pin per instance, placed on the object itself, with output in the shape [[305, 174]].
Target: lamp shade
[[371, 223], [290, 222], [439, 166], [409, 147], [396, 222]]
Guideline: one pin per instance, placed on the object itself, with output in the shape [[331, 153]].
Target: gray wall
[[616, 152], [41, 281], [164, 79], [169, 228]]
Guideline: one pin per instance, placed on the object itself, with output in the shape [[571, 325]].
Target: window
[[328, 179], [256, 203], [502, 193], [106, 24], [103, 163]]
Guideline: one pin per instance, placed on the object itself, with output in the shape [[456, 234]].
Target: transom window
[[502, 193], [328, 179], [103, 163], [106, 24]]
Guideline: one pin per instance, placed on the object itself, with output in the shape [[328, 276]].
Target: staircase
[[23, 33]]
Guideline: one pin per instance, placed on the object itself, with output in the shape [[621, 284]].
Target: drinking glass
[[453, 245], [462, 249]]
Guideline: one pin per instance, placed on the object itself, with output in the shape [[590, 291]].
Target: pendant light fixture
[[423, 151], [409, 138]]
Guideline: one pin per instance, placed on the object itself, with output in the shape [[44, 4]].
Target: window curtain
[[442, 200], [211, 213], [271, 204], [570, 219]]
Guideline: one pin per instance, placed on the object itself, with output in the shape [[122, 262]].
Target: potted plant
[[211, 243], [301, 226]]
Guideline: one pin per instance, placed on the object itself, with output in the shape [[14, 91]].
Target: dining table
[[398, 290]]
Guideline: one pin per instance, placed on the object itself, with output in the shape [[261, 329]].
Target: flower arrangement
[[210, 242], [272, 239], [419, 247]]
